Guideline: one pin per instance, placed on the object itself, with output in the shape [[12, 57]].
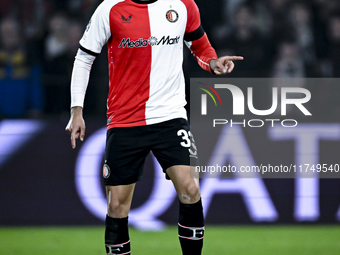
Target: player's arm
[[207, 57], [96, 35], [198, 43], [79, 81]]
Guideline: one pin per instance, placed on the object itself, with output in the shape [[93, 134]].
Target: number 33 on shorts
[[188, 141]]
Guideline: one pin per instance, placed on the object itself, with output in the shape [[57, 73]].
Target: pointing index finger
[[233, 58]]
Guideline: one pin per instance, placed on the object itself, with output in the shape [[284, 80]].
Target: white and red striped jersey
[[145, 51]]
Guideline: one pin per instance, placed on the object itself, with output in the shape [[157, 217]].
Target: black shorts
[[171, 142]]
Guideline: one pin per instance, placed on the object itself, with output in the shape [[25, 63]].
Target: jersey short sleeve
[[98, 31]]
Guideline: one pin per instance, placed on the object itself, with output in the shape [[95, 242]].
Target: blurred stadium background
[[51, 197]]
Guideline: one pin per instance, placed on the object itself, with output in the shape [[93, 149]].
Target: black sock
[[191, 228], [117, 239]]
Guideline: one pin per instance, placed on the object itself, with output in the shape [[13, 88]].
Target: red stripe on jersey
[[130, 79]]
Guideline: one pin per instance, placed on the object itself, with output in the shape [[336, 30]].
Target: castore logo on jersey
[[126, 19]]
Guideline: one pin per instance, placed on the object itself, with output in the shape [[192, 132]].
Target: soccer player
[[145, 105]]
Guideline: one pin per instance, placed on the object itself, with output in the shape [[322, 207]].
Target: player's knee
[[191, 195], [117, 209]]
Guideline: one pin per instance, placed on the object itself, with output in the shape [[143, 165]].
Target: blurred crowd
[[278, 38]]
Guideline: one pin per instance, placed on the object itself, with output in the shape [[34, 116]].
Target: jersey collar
[[144, 2]]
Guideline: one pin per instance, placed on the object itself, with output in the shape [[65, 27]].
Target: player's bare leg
[[191, 220], [119, 200], [186, 186]]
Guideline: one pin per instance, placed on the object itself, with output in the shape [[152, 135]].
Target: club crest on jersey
[[106, 171], [171, 16]]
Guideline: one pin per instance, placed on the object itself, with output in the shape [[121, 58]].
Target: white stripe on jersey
[[167, 86]]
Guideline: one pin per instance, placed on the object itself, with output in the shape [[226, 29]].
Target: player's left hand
[[224, 64], [76, 125]]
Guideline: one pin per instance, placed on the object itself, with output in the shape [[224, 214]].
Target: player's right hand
[[76, 125]]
